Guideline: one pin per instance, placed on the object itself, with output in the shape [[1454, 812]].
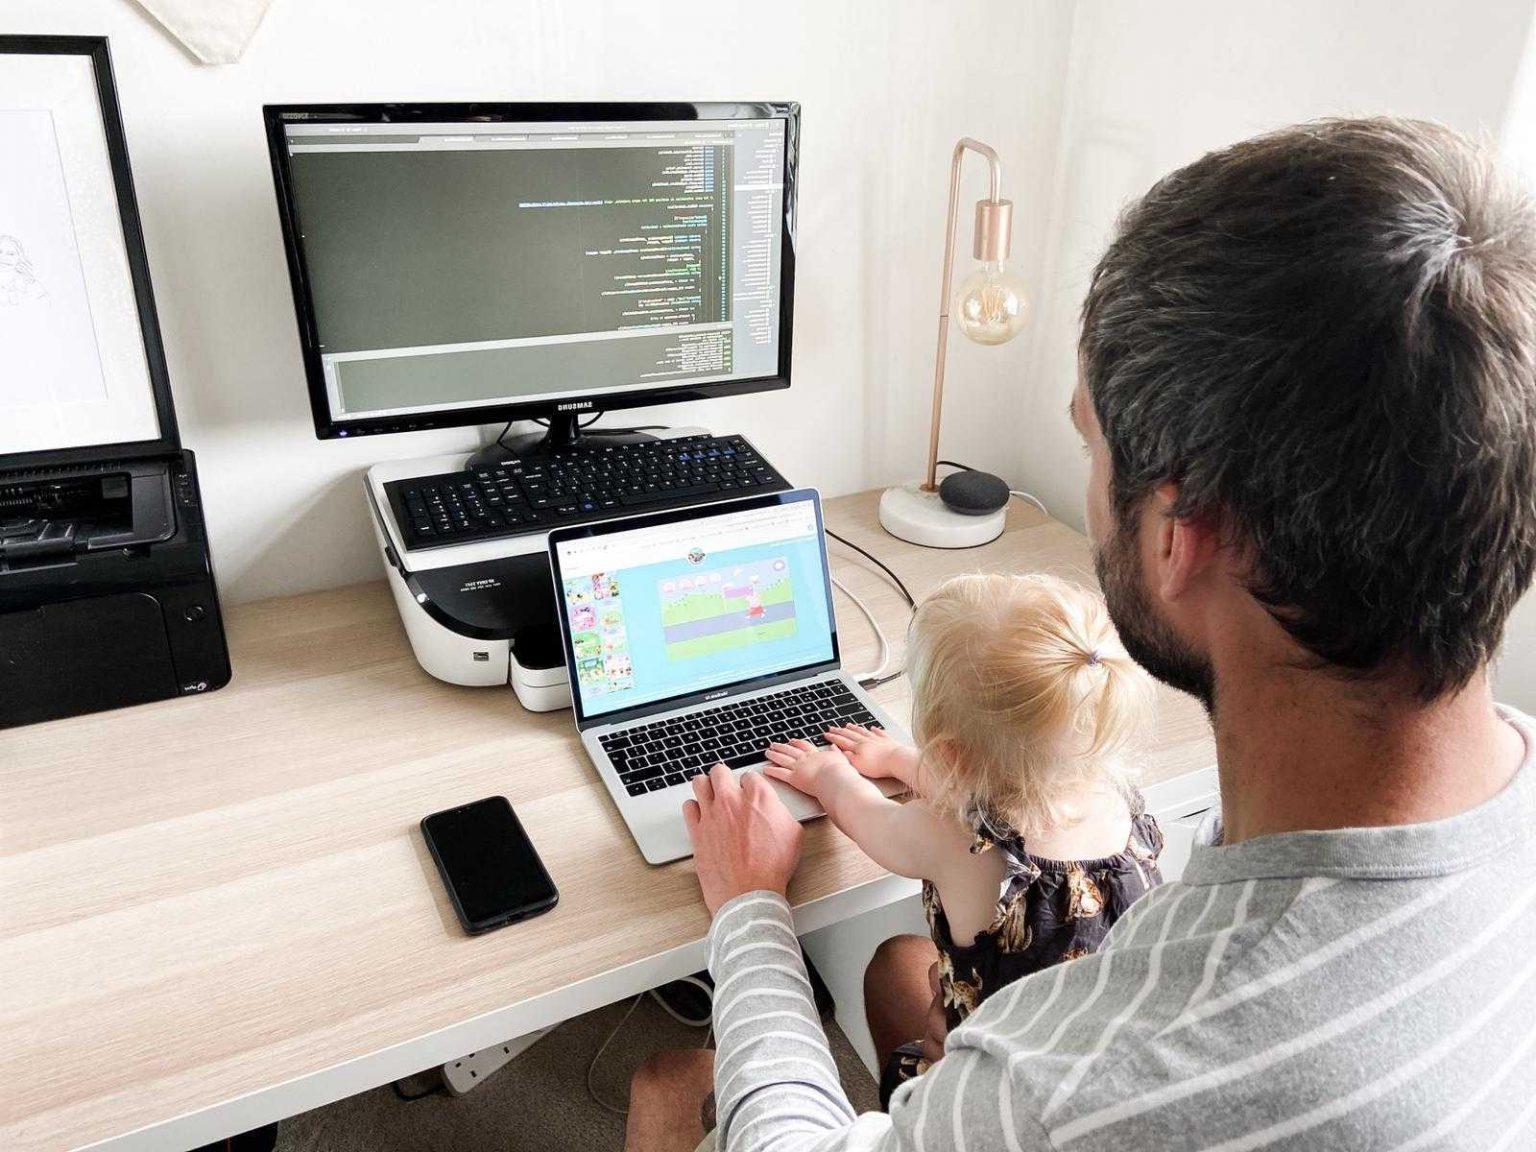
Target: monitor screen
[[455, 266], [676, 609]]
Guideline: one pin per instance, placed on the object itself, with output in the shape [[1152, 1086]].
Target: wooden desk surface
[[203, 898]]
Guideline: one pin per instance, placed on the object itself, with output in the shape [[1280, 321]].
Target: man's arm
[[776, 1084], [777, 1087]]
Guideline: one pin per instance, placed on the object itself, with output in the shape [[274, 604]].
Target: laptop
[[696, 637]]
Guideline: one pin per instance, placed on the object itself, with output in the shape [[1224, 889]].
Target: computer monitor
[[458, 264]]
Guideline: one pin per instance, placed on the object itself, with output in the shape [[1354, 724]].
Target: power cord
[[592, 1091], [1024, 496], [868, 678], [608, 1105], [879, 676], [878, 563], [1031, 500], [709, 998]]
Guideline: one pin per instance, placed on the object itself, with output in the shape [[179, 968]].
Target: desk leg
[[843, 950]]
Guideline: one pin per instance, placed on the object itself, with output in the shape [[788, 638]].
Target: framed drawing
[[82, 370]]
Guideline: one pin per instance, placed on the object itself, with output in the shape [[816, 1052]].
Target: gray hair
[[1326, 336]]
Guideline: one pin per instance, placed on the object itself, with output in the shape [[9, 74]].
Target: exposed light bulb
[[990, 306]]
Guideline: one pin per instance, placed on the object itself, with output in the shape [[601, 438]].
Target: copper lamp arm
[[992, 239]]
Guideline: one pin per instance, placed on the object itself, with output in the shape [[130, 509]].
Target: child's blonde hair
[[1024, 697]]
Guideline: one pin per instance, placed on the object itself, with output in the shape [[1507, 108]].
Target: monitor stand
[[564, 434]]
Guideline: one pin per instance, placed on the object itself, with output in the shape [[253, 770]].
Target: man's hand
[[937, 1021], [744, 839], [875, 754], [807, 768]]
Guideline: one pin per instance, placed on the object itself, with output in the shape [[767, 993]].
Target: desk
[[220, 912]]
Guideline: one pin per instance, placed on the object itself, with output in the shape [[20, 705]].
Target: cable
[[1028, 499], [878, 676], [878, 563], [603, 1047], [867, 678], [709, 997]]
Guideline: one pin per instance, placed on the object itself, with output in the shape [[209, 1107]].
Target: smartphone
[[489, 865]]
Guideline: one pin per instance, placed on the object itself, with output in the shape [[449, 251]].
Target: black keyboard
[[650, 757], [576, 485]]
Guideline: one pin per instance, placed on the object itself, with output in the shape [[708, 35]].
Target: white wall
[[1088, 104], [886, 89], [1153, 86]]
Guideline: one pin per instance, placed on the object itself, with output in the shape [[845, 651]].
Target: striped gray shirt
[[1363, 989]]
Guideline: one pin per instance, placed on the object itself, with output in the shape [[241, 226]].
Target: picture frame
[[87, 378]]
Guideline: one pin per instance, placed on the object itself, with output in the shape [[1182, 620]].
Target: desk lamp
[[969, 508]]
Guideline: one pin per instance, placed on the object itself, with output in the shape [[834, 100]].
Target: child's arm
[[908, 839]]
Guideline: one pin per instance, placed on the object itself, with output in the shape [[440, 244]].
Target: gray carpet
[[538, 1103]]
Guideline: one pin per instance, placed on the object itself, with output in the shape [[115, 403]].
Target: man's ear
[[1184, 547]]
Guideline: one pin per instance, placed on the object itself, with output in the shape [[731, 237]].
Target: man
[[1308, 391]]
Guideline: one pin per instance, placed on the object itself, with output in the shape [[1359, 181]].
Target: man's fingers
[[703, 790], [779, 772], [933, 1050], [803, 745], [840, 739], [723, 782], [937, 1028], [691, 816], [774, 756]]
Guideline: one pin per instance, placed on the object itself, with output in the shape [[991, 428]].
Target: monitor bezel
[[720, 691], [330, 426], [98, 50]]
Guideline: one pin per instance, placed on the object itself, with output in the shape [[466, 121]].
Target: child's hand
[[874, 754], [805, 767]]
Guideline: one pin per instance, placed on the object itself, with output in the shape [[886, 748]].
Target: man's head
[[1315, 351]]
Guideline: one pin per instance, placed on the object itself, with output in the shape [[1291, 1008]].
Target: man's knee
[[673, 1075], [895, 957], [666, 1096]]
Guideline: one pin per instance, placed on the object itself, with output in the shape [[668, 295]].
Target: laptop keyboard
[[650, 757]]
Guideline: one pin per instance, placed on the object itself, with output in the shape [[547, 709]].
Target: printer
[[480, 614], [107, 594], [483, 613]]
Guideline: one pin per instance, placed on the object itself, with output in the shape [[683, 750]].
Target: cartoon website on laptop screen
[[674, 609]]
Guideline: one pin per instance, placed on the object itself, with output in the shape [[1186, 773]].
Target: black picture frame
[[99, 52], [327, 426]]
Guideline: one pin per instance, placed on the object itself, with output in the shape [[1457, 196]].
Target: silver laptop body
[[695, 637]]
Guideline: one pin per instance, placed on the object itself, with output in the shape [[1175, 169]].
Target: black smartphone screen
[[493, 874]]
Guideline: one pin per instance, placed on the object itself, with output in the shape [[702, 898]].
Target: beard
[[1149, 639]]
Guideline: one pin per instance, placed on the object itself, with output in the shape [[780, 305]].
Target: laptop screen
[[694, 603]]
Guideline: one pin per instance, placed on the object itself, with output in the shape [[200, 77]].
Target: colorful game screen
[[681, 608]]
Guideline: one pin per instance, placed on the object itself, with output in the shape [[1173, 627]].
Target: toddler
[[1027, 830]]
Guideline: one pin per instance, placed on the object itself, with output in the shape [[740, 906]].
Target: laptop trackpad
[[800, 806]]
